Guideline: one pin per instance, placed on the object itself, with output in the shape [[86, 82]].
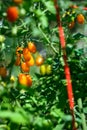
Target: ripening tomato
[[39, 60], [18, 61], [71, 24], [26, 54], [18, 1], [48, 69], [22, 12], [19, 51], [12, 13], [25, 79], [74, 6], [22, 79], [3, 72], [32, 47], [43, 69], [80, 19], [30, 62], [29, 80], [24, 67]]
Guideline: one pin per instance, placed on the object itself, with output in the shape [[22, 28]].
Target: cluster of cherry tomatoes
[[25, 59], [45, 69], [79, 18]]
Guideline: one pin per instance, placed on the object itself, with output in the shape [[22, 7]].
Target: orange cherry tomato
[[18, 1], [18, 61], [22, 79], [39, 60], [80, 19], [71, 24], [19, 51], [30, 62], [26, 54], [24, 67], [25, 79], [12, 13], [3, 72], [29, 80], [74, 6], [32, 47]]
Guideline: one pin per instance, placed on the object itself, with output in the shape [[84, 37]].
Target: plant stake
[[66, 67]]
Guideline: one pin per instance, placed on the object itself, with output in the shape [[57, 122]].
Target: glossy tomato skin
[[32, 47], [80, 19], [43, 69], [30, 62], [24, 67], [26, 54], [71, 25], [29, 80], [39, 60], [48, 69], [22, 79], [12, 13], [25, 79]]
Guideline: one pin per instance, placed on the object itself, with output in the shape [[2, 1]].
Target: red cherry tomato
[[12, 13]]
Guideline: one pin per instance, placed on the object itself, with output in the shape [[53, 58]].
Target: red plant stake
[[66, 67]]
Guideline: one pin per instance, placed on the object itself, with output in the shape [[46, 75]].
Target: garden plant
[[43, 65]]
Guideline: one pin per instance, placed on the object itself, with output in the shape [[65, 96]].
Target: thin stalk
[[82, 114], [48, 41]]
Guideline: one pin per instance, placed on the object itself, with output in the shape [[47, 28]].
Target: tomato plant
[[35, 69]]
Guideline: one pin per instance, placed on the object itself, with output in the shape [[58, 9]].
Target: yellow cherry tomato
[[43, 69], [48, 69]]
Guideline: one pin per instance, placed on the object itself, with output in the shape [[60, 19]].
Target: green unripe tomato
[[48, 69], [43, 70], [22, 12], [2, 38], [14, 30]]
